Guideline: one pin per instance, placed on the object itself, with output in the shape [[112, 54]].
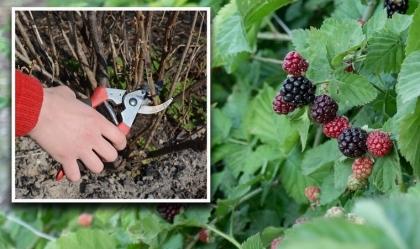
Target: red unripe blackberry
[[275, 242], [281, 107], [362, 168], [398, 6], [298, 91], [323, 109], [379, 143], [294, 64], [170, 210], [312, 193], [204, 235], [335, 127], [352, 142], [85, 219]]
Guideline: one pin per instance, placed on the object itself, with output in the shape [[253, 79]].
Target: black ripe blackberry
[[298, 91], [392, 6], [323, 109], [352, 142], [170, 210]]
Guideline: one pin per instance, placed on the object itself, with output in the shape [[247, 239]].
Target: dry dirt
[[179, 175]]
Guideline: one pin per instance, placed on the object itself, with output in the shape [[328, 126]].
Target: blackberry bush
[[323, 109], [298, 91], [294, 64], [335, 127], [352, 142], [379, 143]]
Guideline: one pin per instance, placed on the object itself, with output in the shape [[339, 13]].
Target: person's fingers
[[92, 162], [106, 151], [71, 170], [113, 134]]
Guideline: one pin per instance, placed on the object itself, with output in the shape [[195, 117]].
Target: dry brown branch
[[38, 68], [80, 54], [167, 47], [101, 73], [58, 22], [180, 65], [40, 42], [27, 41]]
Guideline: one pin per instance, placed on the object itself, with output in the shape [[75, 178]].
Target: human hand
[[69, 130]]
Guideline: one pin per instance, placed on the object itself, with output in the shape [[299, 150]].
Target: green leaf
[[261, 156], [150, 230], [409, 78], [301, 41], [237, 158], [394, 216], [294, 182], [320, 157], [270, 233], [342, 170], [329, 192], [220, 126], [319, 65], [350, 89], [175, 242], [342, 36], [6, 241], [254, 11], [413, 41], [399, 23], [322, 243], [386, 171], [301, 121], [222, 15], [86, 238], [375, 23], [195, 215], [253, 242], [232, 30], [385, 52], [262, 122], [336, 230], [409, 141], [348, 9]]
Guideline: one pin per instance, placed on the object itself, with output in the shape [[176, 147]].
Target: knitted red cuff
[[29, 96]]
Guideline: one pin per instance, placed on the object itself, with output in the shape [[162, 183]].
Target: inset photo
[[111, 105]]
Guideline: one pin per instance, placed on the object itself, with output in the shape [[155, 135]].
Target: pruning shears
[[132, 103]]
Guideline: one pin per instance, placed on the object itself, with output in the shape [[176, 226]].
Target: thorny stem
[[274, 61], [318, 136], [236, 141], [227, 237], [30, 228], [283, 25], [369, 10], [273, 36]]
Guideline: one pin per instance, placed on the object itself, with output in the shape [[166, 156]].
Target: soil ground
[[179, 175]]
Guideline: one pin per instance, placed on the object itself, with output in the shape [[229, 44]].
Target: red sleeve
[[29, 96]]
